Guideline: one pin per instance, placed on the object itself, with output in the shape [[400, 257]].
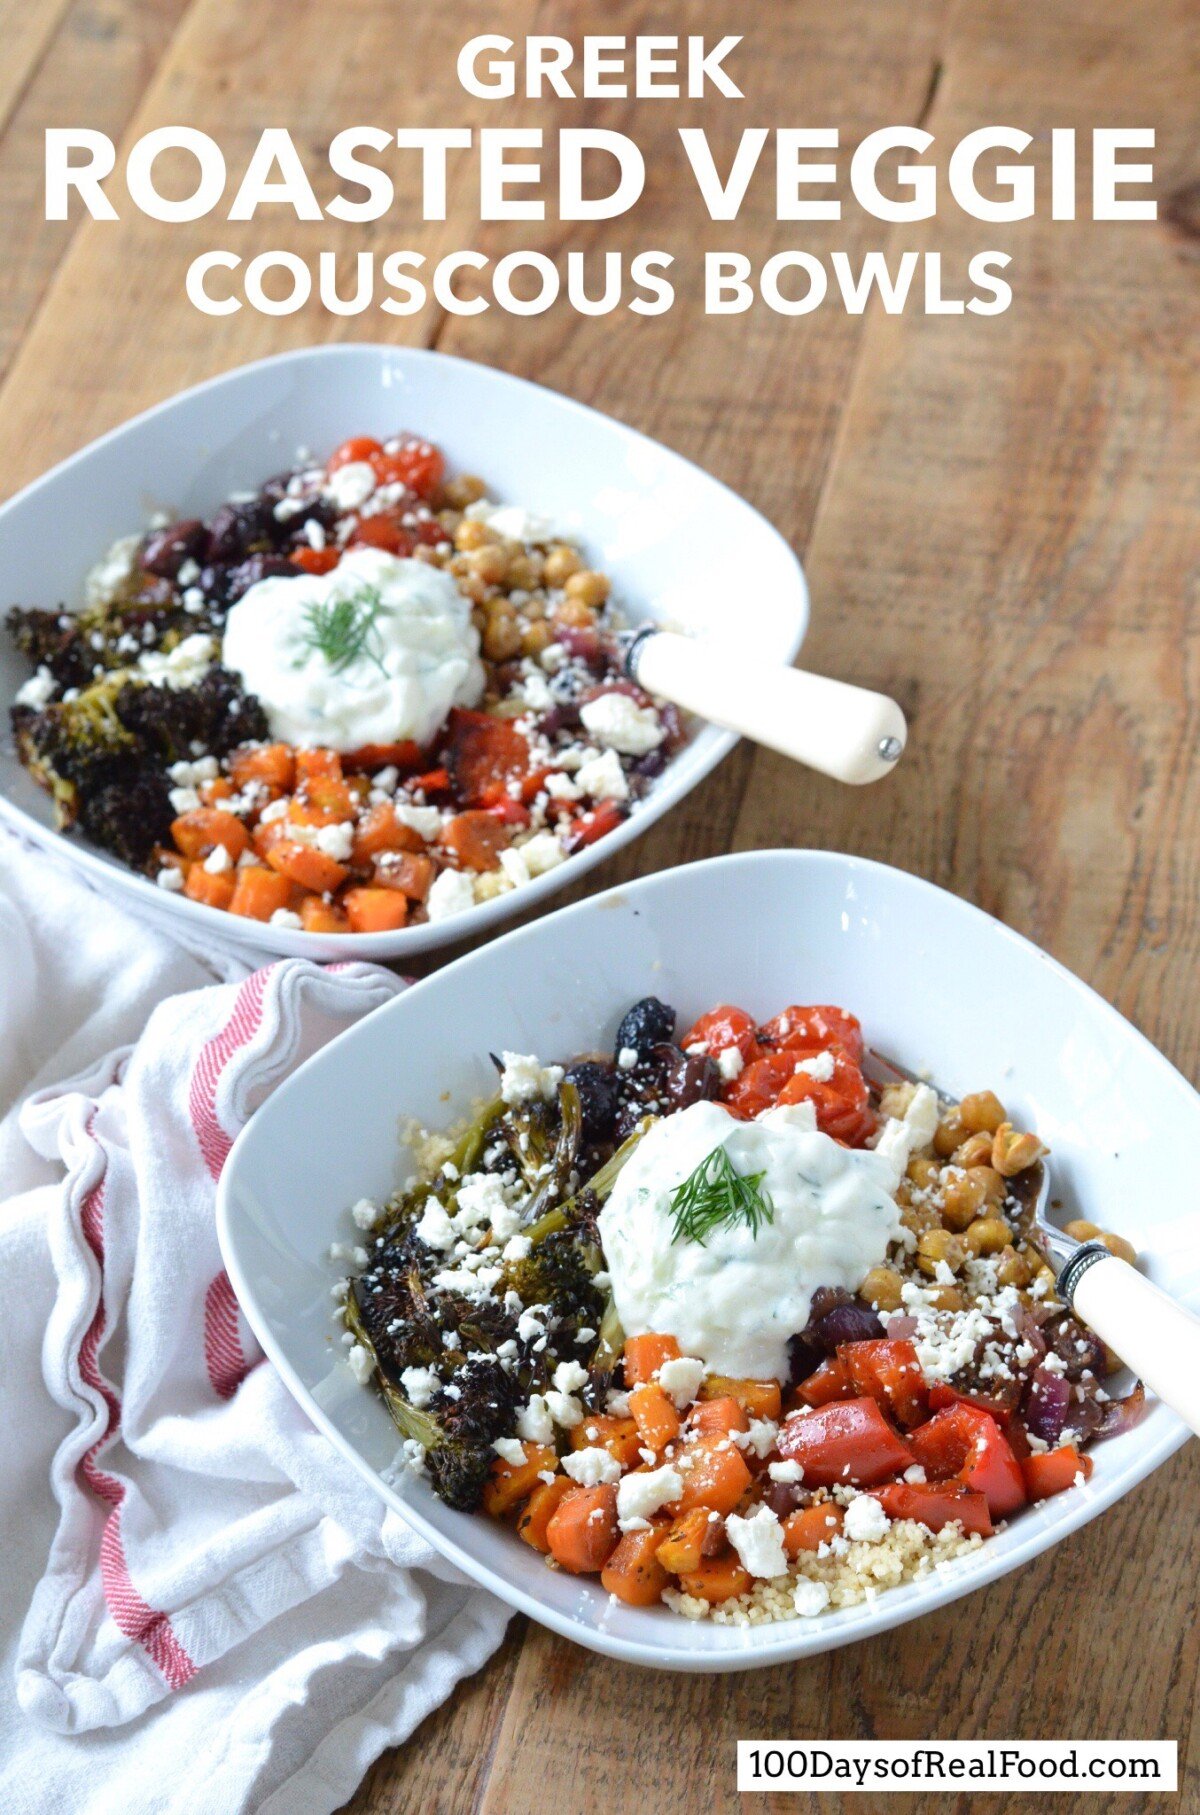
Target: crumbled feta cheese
[[820, 1066], [627, 1058], [530, 1325], [435, 1228], [681, 1379], [788, 1472], [480, 1199], [425, 821], [565, 1409], [170, 878], [364, 1212], [111, 572], [218, 859], [514, 523], [569, 1377], [561, 786], [865, 1521], [810, 1599], [542, 852], [603, 777], [915, 1475], [516, 1248], [336, 841], [760, 1437], [512, 863], [38, 690], [350, 486], [362, 1364], [618, 721], [183, 800], [758, 1540], [730, 1063], [591, 1467], [641, 1495], [420, 1384], [181, 667], [451, 893], [534, 1422], [510, 1449], [524, 1080], [285, 917]]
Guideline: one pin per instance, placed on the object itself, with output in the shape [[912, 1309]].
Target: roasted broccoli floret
[[104, 754], [557, 1272]]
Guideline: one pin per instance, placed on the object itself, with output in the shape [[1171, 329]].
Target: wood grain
[[999, 523]]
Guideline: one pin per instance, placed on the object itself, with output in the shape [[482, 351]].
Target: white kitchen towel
[[219, 1617]]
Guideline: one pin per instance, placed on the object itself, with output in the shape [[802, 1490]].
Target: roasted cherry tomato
[[849, 1443], [841, 1099], [359, 447], [382, 530], [316, 560], [812, 1029], [416, 464], [758, 1087], [722, 1028]]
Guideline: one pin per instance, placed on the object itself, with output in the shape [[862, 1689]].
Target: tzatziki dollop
[[375, 652], [734, 1300]]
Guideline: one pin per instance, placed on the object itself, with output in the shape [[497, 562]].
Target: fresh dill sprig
[[343, 629], [718, 1197]]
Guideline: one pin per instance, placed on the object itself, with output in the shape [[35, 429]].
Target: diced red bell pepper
[[814, 1029], [1000, 1406], [484, 754], [966, 1445], [403, 755], [936, 1507], [590, 828], [1054, 1471], [890, 1373], [828, 1382], [848, 1443]]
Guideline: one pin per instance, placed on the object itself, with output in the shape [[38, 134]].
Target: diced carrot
[[475, 839], [413, 876], [213, 792], [717, 1478], [644, 1355], [305, 864], [582, 1531], [204, 828], [717, 1417], [257, 893], [811, 1527], [509, 1482], [654, 1414], [213, 890], [404, 755], [717, 1579], [692, 1536], [274, 764], [311, 763], [433, 781], [540, 1508], [619, 1436], [318, 916], [633, 1572], [761, 1398], [379, 830], [375, 910], [323, 800]]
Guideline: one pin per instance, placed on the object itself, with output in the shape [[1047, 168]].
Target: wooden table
[[999, 521]]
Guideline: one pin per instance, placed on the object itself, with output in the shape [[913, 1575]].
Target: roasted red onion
[[1047, 1405], [845, 1323], [1122, 1414]]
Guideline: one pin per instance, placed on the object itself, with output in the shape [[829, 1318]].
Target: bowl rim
[[768, 1643], [710, 745]]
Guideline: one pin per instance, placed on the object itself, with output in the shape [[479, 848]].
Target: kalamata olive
[[846, 1323], [249, 572], [165, 550], [650, 765], [647, 1024], [684, 1078], [783, 1497], [804, 1358], [237, 529], [598, 1097], [563, 717]]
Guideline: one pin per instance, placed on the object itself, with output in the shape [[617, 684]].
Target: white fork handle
[[846, 732], [1152, 1333]]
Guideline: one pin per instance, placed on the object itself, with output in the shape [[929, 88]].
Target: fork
[[1155, 1336]]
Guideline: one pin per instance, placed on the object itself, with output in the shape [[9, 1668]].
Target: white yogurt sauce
[[421, 657], [735, 1300]]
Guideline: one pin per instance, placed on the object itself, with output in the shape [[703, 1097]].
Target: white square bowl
[[681, 549], [937, 984]]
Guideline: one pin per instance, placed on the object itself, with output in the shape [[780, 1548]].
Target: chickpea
[[988, 1235], [1012, 1152], [963, 1197], [976, 1150], [917, 1218], [1044, 1275], [950, 1133], [1116, 1244], [926, 1175], [588, 587], [475, 587], [995, 1190], [501, 636], [1013, 1268], [535, 637], [466, 489], [472, 534], [1080, 1230], [560, 563], [947, 1298], [938, 1247], [524, 572], [574, 615], [982, 1112], [430, 556], [882, 1289], [490, 562]]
